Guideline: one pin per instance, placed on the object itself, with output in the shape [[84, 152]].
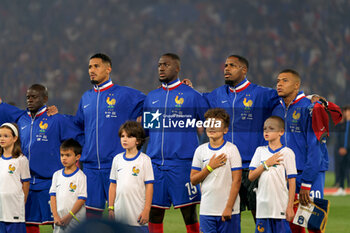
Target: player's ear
[[78, 156]]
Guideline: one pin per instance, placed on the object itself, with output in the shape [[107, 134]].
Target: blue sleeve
[[68, 129], [314, 154], [138, 105], [9, 113], [202, 107], [78, 119]]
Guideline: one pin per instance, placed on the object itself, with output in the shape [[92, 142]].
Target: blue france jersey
[[101, 112], [311, 156], [41, 138], [169, 117], [248, 105], [9, 113]]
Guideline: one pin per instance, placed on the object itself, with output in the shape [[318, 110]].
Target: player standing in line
[[172, 144], [131, 188], [248, 105], [41, 136], [272, 163], [102, 110], [68, 189], [14, 176], [311, 155], [217, 165]]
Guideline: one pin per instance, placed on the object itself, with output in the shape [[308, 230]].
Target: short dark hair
[[40, 88], [291, 71], [241, 59], [71, 144], [173, 56], [17, 151], [280, 121], [104, 58], [133, 129], [218, 113]]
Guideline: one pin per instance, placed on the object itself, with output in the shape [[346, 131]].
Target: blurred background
[[50, 42]]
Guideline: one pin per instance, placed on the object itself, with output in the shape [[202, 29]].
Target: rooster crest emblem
[[11, 169], [178, 101], [296, 115], [135, 171], [72, 187], [260, 228], [43, 126], [110, 102], [248, 103]]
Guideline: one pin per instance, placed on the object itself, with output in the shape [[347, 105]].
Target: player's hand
[[143, 217], [66, 220], [111, 214], [304, 197], [217, 161], [274, 159], [52, 110], [187, 82], [290, 214], [226, 215], [0, 100], [342, 151], [57, 221]]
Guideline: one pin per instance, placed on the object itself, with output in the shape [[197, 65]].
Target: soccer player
[[68, 189], [102, 110], [131, 188], [272, 164], [217, 165], [248, 105], [41, 136], [14, 176], [172, 142], [310, 154]]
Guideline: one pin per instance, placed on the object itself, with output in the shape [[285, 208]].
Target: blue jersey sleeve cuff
[[252, 168], [25, 180], [292, 176], [53, 194], [113, 181], [236, 168], [149, 182], [81, 198], [196, 168]]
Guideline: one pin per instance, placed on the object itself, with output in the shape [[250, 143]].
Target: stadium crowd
[[50, 41]]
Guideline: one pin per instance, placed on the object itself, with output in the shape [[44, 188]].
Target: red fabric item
[[295, 228], [155, 227], [91, 214], [31, 228], [320, 119], [314, 231], [193, 228]]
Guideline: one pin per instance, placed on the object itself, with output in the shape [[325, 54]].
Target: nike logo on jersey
[[223, 101], [22, 128], [322, 128], [156, 101], [85, 106], [191, 198], [204, 160]]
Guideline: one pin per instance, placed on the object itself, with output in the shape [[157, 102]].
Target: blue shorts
[[317, 187], [37, 208], [272, 225], [97, 188], [172, 185], [12, 227], [140, 229], [214, 224]]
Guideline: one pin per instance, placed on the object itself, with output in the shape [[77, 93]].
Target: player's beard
[[230, 83], [94, 82]]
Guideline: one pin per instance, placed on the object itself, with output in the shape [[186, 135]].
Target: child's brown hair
[[133, 129], [17, 151]]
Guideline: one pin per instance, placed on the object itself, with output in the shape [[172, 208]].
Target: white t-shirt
[[217, 185], [131, 176], [68, 189], [13, 171], [272, 193]]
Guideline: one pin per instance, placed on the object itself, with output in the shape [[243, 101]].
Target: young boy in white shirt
[[68, 189], [131, 187], [217, 165], [272, 164]]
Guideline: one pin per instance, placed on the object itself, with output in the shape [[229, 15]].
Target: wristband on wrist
[[110, 207], [71, 213], [210, 169], [265, 165]]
